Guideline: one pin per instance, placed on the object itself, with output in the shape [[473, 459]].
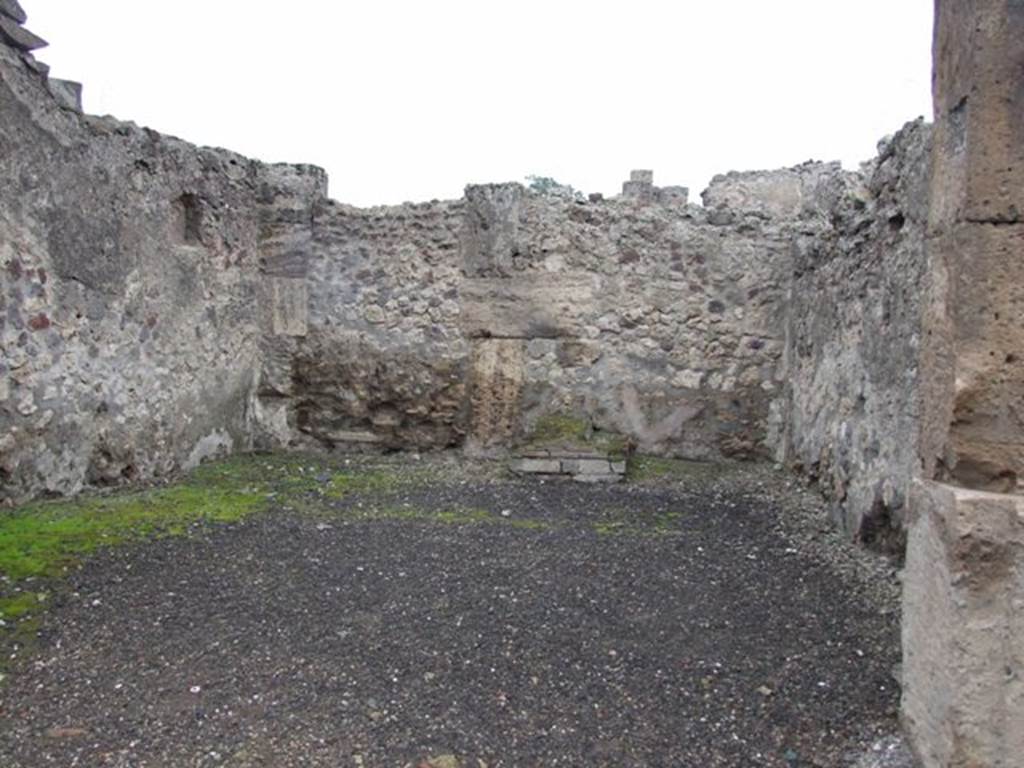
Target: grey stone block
[[586, 466], [36, 66], [13, 9], [537, 466], [674, 195], [19, 37], [574, 452], [637, 190], [67, 93], [963, 627], [647, 177]]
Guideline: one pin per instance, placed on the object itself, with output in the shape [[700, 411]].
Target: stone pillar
[[490, 229], [976, 238], [963, 605], [963, 628], [640, 186], [496, 387]]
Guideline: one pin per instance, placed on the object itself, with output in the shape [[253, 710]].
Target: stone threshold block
[[963, 628], [584, 469]]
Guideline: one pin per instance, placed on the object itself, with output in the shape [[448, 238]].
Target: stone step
[[562, 453], [591, 469]]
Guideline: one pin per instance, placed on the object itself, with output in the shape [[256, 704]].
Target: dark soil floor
[[693, 620]]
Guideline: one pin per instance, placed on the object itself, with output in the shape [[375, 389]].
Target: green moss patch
[[377, 481], [20, 605], [638, 522], [658, 468], [560, 427], [455, 516], [41, 540], [567, 430]]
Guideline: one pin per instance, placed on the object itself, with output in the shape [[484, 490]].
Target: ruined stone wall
[[162, 302], [854, 339], [473, 322], [381, 361], [642, 315], [130, 293]]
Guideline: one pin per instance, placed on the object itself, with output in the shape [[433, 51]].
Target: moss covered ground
[[41, 542]]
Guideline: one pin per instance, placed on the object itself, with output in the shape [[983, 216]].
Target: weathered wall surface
[[963, 627], [652, 319], [854, 339], [472, 321], [382, 361], [639, 316], [162, 302], [129, 294]]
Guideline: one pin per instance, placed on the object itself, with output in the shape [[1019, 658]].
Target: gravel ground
[[709, 619]]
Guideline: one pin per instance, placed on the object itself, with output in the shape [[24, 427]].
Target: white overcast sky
[[412, 99]]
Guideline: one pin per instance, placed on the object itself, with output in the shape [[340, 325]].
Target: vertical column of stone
[[489, 245], [490, 229], [640, 186], [290, 195], [963, 638], [496, 385], [977, 242]]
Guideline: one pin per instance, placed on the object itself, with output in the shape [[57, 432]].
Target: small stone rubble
[[640, 188]]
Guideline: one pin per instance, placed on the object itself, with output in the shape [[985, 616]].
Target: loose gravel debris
[[700, 617]]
